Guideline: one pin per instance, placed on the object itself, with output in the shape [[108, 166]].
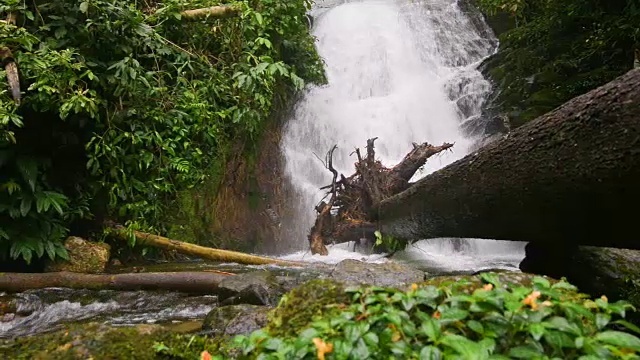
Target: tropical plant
[[127, 102], [459, 320]]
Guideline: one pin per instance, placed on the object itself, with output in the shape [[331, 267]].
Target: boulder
[[254, 288], [594, 270], [389, 274], [84, 257], [234, 320]]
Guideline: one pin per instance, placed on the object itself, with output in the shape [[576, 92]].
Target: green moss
[[298, 308], [96, 341], [552, 55]]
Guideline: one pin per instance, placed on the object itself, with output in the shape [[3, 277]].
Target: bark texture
[[219, 11], [571, 176], [190, 282], [202, 251], [357, 197]]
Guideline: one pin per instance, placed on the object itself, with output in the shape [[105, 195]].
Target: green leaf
[[430, 353], [559, 339], [491, 278], [628, 325], [61, 252], [50, 248], [25, 206], [272, 344], [619, 338], [536, 330], [29, 170], [524, 352], [453, 314], [476, 326], [463, 346], [431, 328], [602, 320], [541, 282], [562, 324], [84, 7]]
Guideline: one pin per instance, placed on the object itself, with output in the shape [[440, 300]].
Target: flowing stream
[[400, 70], [403, 71]]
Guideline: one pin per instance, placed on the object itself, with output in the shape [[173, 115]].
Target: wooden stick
[[202, 251], [219, 11], [190, 282]]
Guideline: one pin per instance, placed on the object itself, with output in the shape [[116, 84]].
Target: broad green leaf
[[476, 326], [29, 170], [463, 346], [524, 352], [619, 338], [602, 320], [430, 353], [84, 7], [431, 328]]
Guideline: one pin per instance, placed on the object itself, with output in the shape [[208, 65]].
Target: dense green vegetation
[[486, 317], [125, 103], [456, 320], [558, 50]]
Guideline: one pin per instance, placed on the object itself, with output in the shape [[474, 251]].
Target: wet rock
[[390, 274], [84, 257], [506, 278], [255, 288], [235, 320], [594, 270]]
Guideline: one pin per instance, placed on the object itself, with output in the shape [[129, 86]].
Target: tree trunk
[[190, 282], [203, 252], [219, 11], [571, 176]]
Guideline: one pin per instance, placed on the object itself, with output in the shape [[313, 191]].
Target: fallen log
[[219, 11], [200, 251], [189, 282], [570, 176]]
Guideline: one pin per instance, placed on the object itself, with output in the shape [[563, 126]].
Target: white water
[[403, 71]]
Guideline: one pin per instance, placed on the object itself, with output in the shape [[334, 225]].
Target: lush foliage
[[559, 50], [127, 102], [459, 320]]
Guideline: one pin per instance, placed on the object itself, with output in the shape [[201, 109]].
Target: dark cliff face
[[552, 55]]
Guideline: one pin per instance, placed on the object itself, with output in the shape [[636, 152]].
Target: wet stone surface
[[235, 320]]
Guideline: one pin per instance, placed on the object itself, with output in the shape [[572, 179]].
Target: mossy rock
[[101, 342], [84, 257], [298, 308], [235, 320]]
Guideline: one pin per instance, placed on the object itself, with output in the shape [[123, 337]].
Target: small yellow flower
[[323, 347], [414, 287], [531, 299], [488, 287]]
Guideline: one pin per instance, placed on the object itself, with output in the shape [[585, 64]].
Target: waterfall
[[400, 70]]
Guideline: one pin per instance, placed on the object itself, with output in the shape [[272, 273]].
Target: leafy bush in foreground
[[460, 321]]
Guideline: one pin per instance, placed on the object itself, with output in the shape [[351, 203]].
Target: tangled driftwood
[[355, 199]]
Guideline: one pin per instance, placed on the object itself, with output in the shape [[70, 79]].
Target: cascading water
[[401, 70]]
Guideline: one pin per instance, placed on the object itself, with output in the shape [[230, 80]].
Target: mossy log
[[219, 11], [201, 251], [571, 176], [189, 282]]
